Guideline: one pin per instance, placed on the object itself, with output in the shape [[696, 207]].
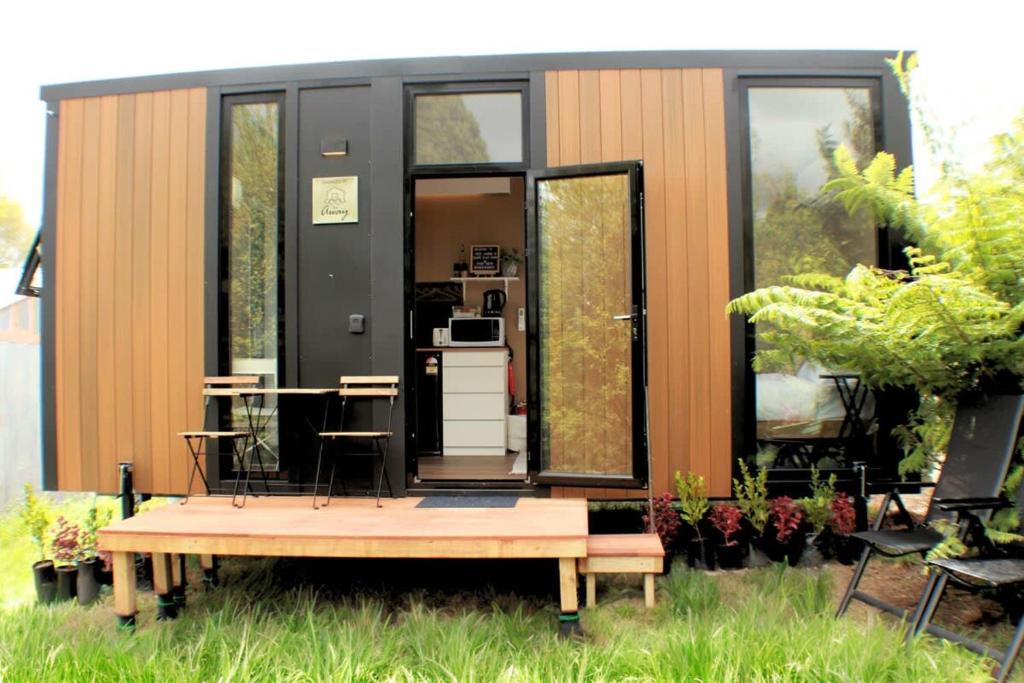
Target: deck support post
[[163, 586], [591, 590], [124, 589], [209, 565], [179, 580], [569, 619]]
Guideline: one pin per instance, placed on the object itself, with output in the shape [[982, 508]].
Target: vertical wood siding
[[129, 303], [673, 120]]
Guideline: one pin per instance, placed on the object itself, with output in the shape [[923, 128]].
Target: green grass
[[772, 624]]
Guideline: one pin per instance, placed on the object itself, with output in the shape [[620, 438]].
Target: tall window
[[794, 128], [251, 247]]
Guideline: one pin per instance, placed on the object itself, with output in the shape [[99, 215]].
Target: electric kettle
[[494, 301]]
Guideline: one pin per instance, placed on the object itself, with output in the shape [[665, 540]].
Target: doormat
[[468, 502]]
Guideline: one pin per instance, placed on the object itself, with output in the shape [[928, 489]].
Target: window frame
[[28, 271], [227, 102], [412, 91], [889, 243]]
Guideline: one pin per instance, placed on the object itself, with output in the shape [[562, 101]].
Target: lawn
[[395, 621]]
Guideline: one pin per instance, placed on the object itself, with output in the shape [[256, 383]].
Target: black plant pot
[[700, 548], [87, 585], [67, 582], [787, 550], [731, 556], [46, 581]]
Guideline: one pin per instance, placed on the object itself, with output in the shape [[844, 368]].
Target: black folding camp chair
[[1000, 568], [977, 460]]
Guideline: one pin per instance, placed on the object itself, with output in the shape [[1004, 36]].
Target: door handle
[[626, 316]]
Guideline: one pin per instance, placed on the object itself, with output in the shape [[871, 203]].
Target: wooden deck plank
[[355, 527]]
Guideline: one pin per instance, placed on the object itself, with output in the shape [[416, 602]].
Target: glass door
[[587, 404]]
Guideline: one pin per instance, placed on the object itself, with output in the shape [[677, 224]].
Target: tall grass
[[771, 624]]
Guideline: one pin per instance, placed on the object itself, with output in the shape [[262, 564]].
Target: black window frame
[[223, 364], [412, 91], [28, 271], [889, 243]]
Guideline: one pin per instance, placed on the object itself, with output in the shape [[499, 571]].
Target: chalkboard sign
[[484, 259]]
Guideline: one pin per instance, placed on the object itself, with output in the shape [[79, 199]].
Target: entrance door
[[587, 405]]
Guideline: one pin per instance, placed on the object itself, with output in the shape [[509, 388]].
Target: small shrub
[[752, 495], [36, 517], [818, 506], [786, 517], [726, 518], [693, 498], [843, 521], [66, 542], [667, 521]]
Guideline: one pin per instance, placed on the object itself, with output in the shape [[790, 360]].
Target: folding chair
[[977, 459], [196, 441], [996, 568], [360, 387]]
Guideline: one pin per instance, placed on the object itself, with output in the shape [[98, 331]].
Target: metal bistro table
[[258, 420]]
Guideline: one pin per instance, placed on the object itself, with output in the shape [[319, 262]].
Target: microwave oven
[[476, 331]]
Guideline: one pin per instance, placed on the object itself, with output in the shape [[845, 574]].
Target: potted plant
[[751, 494], [836, 542], [667, 523], [510, 261], [65, 554], [36, 519], [817, 510], [730, 549], [693, 500], [783, 536], [90, 561]]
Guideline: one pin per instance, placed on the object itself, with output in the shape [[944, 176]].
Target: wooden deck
[[347, 528]]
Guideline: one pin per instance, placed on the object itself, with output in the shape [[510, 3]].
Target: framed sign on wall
[[335, 200], [484, 259]]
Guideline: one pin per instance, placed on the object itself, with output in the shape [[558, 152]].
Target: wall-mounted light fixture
[[333, 147]]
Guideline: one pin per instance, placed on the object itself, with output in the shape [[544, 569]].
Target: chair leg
[[926, 604], [383, 471], [858, 573], [316, 479], [330, 483], [1006, 664]]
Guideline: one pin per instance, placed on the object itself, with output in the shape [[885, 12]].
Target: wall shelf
[[484, 278]]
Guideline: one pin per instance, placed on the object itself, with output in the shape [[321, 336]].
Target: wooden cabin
[[541, 247]]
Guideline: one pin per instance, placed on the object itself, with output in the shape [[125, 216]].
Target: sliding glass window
[[251, 249], [794, 126]]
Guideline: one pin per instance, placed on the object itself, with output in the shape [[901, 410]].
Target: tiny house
[[541, 247]]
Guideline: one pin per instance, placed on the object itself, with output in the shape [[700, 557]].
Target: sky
[[971, 62]]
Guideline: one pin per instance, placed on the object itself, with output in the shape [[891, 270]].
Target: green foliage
[[35, 517], [15, 233], [818, 506], [95, 519], [447, 132], [752, 495], [693, 497]]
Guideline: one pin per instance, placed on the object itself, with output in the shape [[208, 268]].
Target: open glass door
[[587, 407]]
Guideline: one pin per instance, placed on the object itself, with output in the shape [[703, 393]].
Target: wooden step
[[622, 554]]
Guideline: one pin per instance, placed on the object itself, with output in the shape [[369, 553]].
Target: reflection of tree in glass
[[585, 359], [447, 132], [253, 235], [797, 231]]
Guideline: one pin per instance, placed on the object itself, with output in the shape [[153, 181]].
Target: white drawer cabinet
[[475, 400]]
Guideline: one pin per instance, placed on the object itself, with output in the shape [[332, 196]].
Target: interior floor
[[469, 468]]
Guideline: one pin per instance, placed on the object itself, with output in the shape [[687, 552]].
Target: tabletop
[[272, 391]]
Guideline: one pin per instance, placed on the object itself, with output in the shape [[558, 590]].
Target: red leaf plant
[[726, 518], [844, 519], [666, 520], [786, 517], [66, 546]]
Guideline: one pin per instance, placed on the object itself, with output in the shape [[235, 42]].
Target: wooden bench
[[622, 554]]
